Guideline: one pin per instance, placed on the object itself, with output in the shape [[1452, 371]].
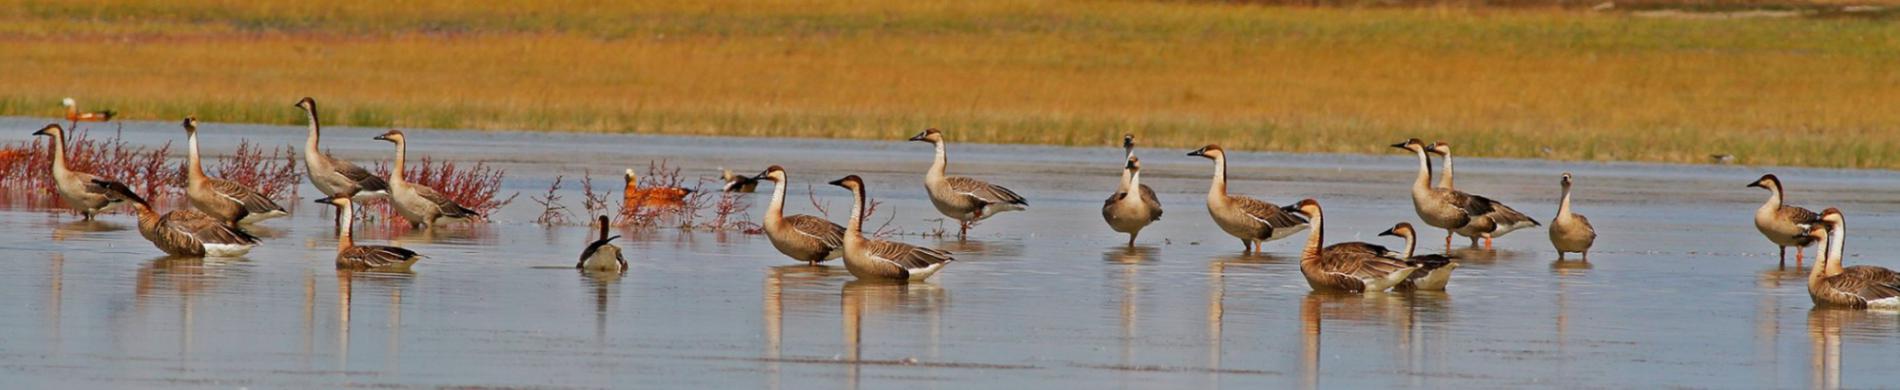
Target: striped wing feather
[[1867, 282], [252, 201], [366, 257], [830, 234], [448, 206], [906, 257], [1148, 198], [1267, 213], [205, 229], [365, 181], [985, 192]]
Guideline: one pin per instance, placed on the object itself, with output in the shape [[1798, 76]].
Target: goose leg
[[1797, 257], [1586, 256], [1560, 255], [1246, 247], [1131, 239], [1487, 242], [1784, 256], [1447, 240]]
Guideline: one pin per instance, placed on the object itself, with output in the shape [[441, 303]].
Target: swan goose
[[961, 198], [79, 189], [225, 200], [1570, 232], [804, 238], [868, 258], [1251, 220]]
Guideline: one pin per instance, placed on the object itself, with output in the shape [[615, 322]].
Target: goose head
[[1439, 148], [1128, 142], [307, 104], [392, 136], [1402, 230], [1566, 180], [931, 135], [1767, 182], [1134, 164], [1415, 145], [1309, 207], [51, 129], [774, 173], [191, 125], [849, 182], [1211, 152], [1832, 216]]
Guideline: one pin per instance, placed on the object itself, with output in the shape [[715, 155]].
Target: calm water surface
[[1681, 290]]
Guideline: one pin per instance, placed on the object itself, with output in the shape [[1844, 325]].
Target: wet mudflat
[[1681, 290]]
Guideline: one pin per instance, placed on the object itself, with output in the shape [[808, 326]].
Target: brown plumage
[[330, 174], [218, 198], [868, 258], [350, 256], [1129, 213], [1489, 218], [1861, 286], [1434, 271], [804, 238], [738, 183], [1349, 267], [1570, 231], [964, 199], [1251, 220], [1782, 224], [601, 254], [78, 189], [184, 233], [419, 204]]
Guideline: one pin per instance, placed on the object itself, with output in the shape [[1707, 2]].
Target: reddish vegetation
[[25, 164], [274, 175]]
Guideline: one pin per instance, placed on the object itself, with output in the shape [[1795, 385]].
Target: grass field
[[1495, 82]]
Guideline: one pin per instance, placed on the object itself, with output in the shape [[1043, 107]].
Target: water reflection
[[82, 227], [391, 285], [1413, 317], [861, 298], [1826, 328], [1131, 255], [603, 283], [779, 279]]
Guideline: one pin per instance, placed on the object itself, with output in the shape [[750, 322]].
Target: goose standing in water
[[1128, 152], [225, 200], [1859, 287], [79, 189], [868, 258], [1337, 268], [965, 199], [350, 256], [330, 174], [1251, 220], [1434, 270], [804, 238], [185, 233], [1781, 223], [419, 204], [1569, 231], [601, 255], [1131, 208], [1500, 220]]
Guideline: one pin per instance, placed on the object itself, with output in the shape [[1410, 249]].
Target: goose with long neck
[[804, 238], [79, 189], [1438, 207], [868, 258], [1570, 232], [421, 205], [184, 233], [1253, 221], [330, 174], [1128, 152], [1498, 221], [350, 256], [1130, 209], [1434, 270], [1780, 223], [228, 201], [1337, 269], [961, 198], [602, 255], [1859, 287]]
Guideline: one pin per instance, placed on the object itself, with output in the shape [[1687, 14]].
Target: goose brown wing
[[1797, 215], [985, 192], [206, 229], [376, 256], [1361, 264], [1867, 282], [1267, 213], [595, 247], [252, 201], [830, 234], [448, 206], [92, 182], [1362, 247], [365, 181], [906, 256], [1148, 198], [1504, 215]]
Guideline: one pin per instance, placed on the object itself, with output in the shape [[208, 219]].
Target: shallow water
[[1681, 291]]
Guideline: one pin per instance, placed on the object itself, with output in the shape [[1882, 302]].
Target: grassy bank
[[1593, 86]]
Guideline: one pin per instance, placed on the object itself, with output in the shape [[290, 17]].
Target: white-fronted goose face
[[307, 103], [931, 135], [51, 129], [1211, 152], [1767, 182], [393, 136], [1415, 145], [1439, 148], [1403, 230], [849, 182], [191, 124]]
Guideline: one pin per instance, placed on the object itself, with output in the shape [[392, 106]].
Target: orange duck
[[653, 196], [73, 114]]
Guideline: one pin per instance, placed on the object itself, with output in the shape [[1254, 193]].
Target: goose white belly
[[227, 250]]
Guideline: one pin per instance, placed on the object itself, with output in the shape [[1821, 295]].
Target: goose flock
[[215, 224]]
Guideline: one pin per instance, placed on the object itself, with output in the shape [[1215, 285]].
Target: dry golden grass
[[1594, 86]]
